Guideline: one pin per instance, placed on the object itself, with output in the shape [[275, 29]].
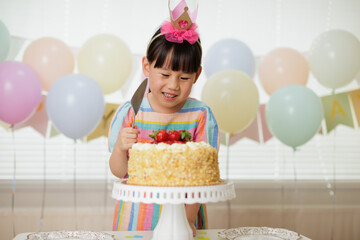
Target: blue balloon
[[294, 114], [229, 54], [75, 105]]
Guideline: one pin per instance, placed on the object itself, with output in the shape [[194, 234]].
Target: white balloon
[[334, 58]]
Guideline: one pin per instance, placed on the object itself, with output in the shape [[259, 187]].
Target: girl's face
[[169, 89]]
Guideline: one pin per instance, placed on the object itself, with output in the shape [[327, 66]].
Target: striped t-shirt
[[195, 117]]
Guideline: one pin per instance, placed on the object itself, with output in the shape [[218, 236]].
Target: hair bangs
[[177, 57]]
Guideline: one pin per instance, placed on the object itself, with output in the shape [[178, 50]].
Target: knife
[[138, 97]]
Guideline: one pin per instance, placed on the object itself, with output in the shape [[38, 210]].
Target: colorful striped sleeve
[[207, 130], [122, 116]]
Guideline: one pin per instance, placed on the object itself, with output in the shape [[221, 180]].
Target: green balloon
[[4, 41], [294, 114]]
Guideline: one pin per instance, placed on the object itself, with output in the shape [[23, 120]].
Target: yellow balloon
[[106, 59], [234, 99]]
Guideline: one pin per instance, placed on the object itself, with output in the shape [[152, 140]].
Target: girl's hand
[[191, 213], [126, 138], [192, 226]]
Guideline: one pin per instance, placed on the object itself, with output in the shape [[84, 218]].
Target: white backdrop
[[262, 24]]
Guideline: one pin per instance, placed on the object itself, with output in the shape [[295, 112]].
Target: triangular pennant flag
[[38, 121], [5, 125], [337, 111], [320, 131], [355, 100], [52, 131], [223, 136], [252, 132], [265, 130], [103, 127], [16, 44]]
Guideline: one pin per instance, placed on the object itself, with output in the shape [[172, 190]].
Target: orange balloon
[[50, 58], [281, 67]]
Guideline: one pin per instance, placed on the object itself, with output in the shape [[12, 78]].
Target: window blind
[[324, 157]]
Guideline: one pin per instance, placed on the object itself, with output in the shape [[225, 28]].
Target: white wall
[[262, 24]]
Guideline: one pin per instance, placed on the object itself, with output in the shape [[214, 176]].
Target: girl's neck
[[163, 109]]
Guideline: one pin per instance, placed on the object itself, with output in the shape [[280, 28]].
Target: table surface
[[210, 234]]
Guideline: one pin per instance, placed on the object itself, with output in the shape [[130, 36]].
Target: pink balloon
[[20, 92], [281, 67], [50, 58]]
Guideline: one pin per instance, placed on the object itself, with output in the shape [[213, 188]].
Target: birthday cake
[[176, 164], [62, 235]]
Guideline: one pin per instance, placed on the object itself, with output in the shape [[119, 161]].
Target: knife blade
[[137, 98]]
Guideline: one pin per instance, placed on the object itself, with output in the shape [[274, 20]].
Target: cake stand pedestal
[[173, 223]]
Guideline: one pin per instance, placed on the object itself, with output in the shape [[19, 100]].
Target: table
[[145, 235], [210, 234]]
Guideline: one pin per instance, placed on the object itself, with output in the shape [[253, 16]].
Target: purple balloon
[[20, 91], [229, 54]]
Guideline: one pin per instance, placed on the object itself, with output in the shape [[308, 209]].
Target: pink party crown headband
[[182, 25], [181, 18]]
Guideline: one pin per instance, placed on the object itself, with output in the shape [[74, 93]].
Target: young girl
[[172, 67]]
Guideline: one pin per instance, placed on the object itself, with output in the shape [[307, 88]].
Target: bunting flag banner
[[355, 100], [38, 121], [5, 125], [252, 132], [53, 132], [222, 136], [16, 44], [320, 131], [337, 111], [265, 130], [104, 125]]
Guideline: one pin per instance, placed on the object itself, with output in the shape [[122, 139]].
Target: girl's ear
[[197, 74], [145, 66]]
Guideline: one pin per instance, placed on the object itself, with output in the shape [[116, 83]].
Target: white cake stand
[[173, 224]]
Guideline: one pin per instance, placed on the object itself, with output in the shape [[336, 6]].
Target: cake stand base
[[173, 224]]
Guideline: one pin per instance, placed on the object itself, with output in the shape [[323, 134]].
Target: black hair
[[184, 57]]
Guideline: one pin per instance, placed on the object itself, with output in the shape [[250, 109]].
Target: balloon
[[5, 41], [334, 58], [50, 58], [229, 54], [234, 99], [75, 105], [107, 60], [20, 92], [294, 114], [281, 67]]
